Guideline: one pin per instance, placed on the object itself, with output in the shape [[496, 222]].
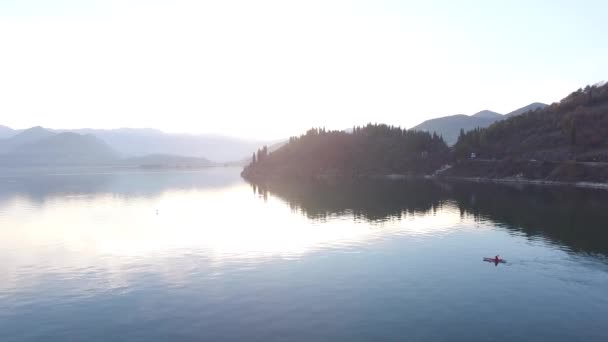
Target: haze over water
[[110, 255]]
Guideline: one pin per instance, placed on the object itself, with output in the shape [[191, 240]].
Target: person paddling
[[496, 259]]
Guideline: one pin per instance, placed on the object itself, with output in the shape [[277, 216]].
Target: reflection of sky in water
[[80, 230]]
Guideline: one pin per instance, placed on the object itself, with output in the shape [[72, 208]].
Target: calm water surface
[[102, 255]]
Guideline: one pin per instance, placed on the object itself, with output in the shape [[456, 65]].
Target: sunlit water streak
[[199, 256]]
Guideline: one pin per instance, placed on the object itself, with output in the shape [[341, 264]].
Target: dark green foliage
[[574, 128], [369, 150]]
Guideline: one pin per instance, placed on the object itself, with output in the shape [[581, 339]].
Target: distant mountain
[[167, 161], [522, 110], [24, 137], [449, 126], [59, 149], [487, 114], [140, 142], [6, 132]]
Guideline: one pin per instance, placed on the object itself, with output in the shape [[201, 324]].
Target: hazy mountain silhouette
[[139, 142], [41, 147], [449, 126], [24, 137], [58, 149], [487, 114], [522, 110], [6, 132]]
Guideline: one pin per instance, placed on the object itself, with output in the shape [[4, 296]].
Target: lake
[[129, 255]]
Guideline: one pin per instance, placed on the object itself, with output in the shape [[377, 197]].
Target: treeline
[[370, 150], [576, 128], [573, 130]]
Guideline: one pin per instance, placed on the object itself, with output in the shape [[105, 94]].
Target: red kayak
[[501, 261]]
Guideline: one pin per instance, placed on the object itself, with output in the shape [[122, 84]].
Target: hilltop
[[6, 132], [367, 151], [25, 137], [449, 126], [38, 146]]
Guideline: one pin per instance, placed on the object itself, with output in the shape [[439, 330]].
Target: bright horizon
[[272, 69]]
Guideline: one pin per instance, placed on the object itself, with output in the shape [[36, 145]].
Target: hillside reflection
[[371, 200], [574, 218]]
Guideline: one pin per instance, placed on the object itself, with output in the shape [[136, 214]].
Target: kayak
[[502, 261]]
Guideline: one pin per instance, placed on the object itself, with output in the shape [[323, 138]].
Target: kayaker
[[496, 259]]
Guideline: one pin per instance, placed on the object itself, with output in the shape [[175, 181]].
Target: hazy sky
[[270, 69]]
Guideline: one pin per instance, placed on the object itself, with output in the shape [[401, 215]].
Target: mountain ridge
[[137, 142], [486, 114], [525, 109], [65, 148], [449, 126], [6, 132]]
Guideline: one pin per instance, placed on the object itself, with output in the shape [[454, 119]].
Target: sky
[[272, 69]]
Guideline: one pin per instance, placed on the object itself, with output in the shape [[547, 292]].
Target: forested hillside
[[564, 142], [576, 128], [367, 151]]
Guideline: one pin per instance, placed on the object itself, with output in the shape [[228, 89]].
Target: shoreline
[[397, 176], [540, 182], [586, 185]]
